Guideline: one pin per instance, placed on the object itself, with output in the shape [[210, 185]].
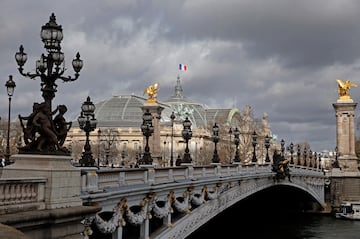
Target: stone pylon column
[[345, 134], [154, 140]]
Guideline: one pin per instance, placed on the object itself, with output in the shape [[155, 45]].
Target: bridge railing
[[309, 170], [94, 179], [21, 194]]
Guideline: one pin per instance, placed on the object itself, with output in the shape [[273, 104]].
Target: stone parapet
[[344, 186], [22, 194], [63, 181]]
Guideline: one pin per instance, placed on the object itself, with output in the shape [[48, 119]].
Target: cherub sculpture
[[42, 134], [344, 89], [152, 93]]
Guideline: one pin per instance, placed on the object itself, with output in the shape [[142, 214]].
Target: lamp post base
[[186, 158]]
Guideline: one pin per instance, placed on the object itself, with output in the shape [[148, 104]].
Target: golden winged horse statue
[[152, 93], [344, 89]]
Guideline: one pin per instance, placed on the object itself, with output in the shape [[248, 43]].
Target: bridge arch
[[236, 192]]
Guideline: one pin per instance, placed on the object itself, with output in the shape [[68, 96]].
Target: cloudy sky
[[280, 56]]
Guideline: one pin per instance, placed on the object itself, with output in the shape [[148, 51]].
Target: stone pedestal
[[344, 186], [63, 181], [154, 140], [345, 134]]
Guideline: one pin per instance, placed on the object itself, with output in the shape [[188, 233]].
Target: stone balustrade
[[96, 180], [21, 194]]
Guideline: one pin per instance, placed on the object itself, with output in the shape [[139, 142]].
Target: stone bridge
[[173, 202]]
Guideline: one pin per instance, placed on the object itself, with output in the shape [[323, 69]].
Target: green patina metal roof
[[126, 110]]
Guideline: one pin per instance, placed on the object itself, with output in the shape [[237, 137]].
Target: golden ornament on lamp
[[151, 91]]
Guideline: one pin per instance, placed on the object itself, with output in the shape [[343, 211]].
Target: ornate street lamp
[[305, 156], [49, 68], [282, 143], [172, 117], [99, 143], [230, 133], [291, 153], [237, 142], [187, 134], [87, 122], [310, 158], [147, 129], [254, 143], [164, 153], [267, 145], [298, 154], [215, 129], [123, 156], [10, 87]]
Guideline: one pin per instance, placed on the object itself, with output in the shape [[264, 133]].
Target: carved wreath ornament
[[148, 207]]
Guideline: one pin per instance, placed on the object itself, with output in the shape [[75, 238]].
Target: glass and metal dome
[[121, 111], [182, 107], [126, 110]]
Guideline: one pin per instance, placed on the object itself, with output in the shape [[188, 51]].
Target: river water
[[281, 226], [289, 226]]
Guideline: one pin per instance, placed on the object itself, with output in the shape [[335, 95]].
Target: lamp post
[[147, 129], [99, 142], [215, 129], [172, 117], [267, 145], [187, 134], [49, 68], [298, 154], [291, 153], [310, 158], [10, 87], [237, 142], [87, 122], [254, 143], [305, 156], [230, 133], [164, 153], [123, 156], [282, 143]]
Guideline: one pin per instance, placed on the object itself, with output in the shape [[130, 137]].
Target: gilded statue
[[151, 91], [344, 89]]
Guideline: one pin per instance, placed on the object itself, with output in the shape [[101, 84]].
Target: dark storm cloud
[[301, 33]]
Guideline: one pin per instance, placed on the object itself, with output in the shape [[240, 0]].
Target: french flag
[[182, 67]]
